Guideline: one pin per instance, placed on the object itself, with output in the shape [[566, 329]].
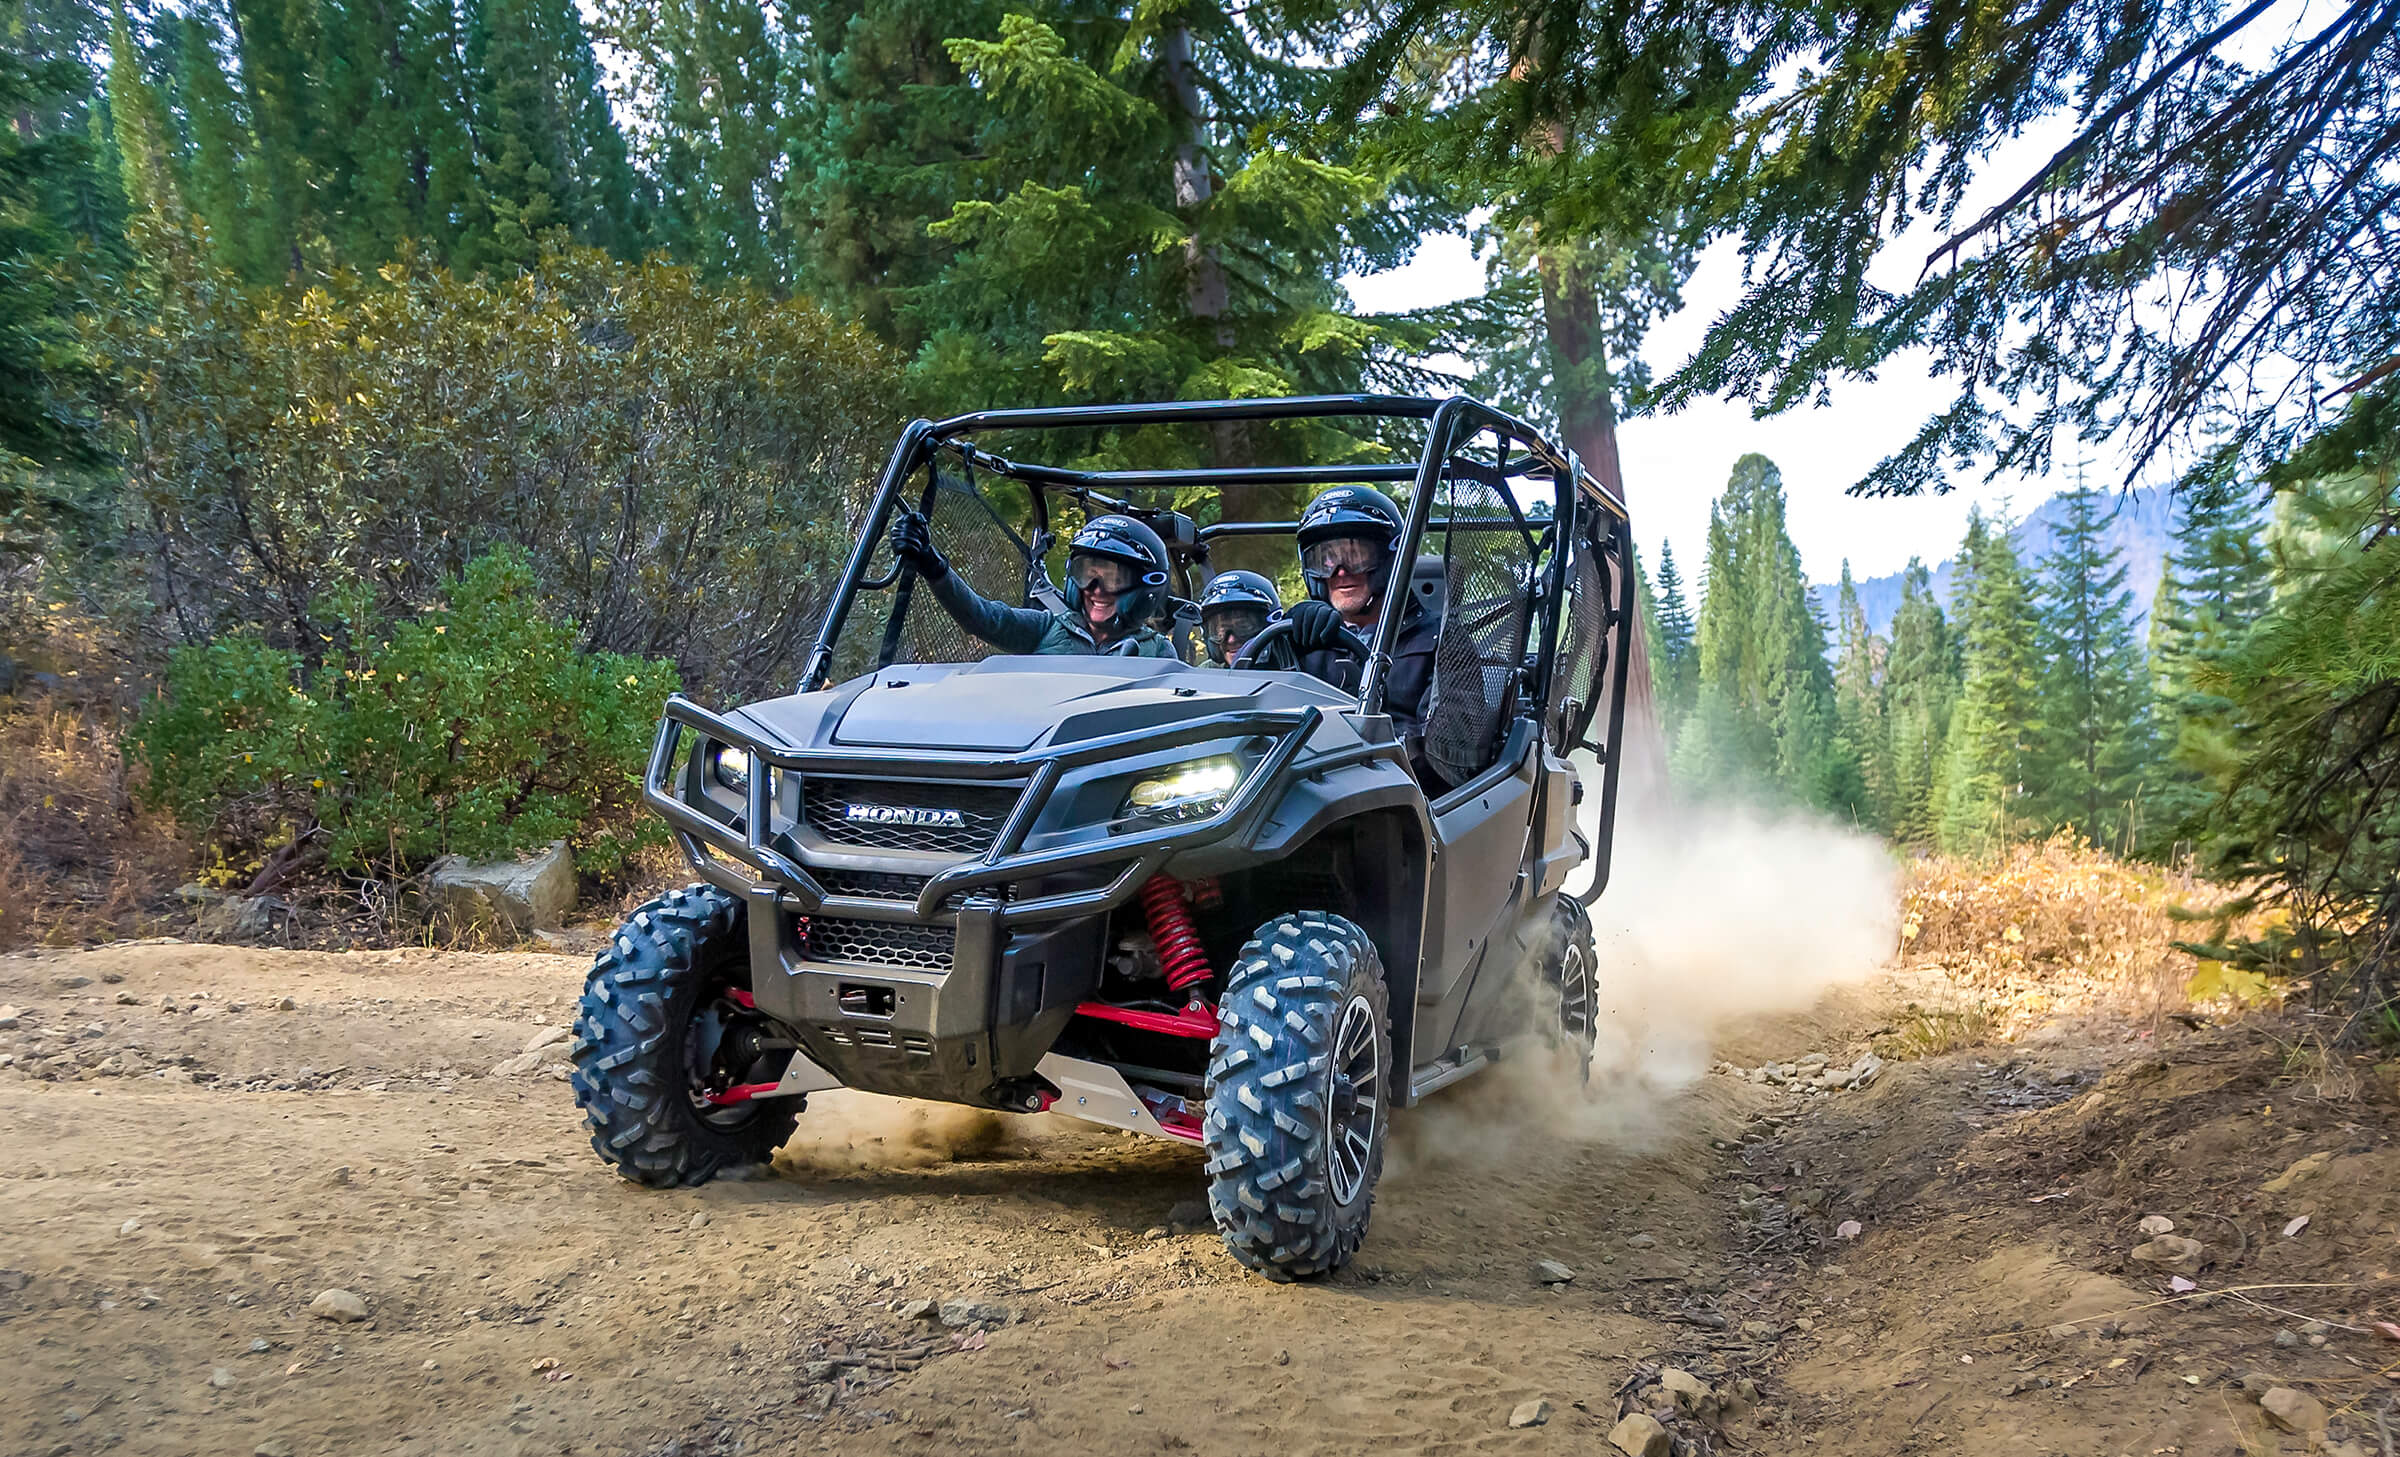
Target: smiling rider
[[1347, 539], [1116, 583]]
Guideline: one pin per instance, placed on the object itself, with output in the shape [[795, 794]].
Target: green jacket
[[1032, 630]]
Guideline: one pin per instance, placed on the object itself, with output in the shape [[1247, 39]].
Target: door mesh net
[[981, 530], [1489, 563], [1577, 683]]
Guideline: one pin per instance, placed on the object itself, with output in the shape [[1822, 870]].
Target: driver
[[1348, 536], [1235, 608], [1116, 582]]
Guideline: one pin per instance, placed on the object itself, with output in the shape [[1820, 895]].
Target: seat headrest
[[1429, 585]]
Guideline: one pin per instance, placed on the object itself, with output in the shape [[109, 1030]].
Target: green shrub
[[478, 727], [684, 464]]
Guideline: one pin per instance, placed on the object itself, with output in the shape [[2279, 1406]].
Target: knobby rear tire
[[631, 1070]]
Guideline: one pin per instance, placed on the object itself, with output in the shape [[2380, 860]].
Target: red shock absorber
[[1180, 954]]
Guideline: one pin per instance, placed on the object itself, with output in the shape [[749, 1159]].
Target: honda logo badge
[[912, 816]]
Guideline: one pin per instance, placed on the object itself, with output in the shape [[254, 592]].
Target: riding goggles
[[1112, 575], [1357, 555], [1226, 629]]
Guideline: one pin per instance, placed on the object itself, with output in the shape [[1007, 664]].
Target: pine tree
[[394, 144], [550, 154], [710, 87], [274, 41], [2092, 746], [1764, 713], [1858, 669], [1988, 760], [2217, 582], [221, 155], [884, 134], [145, 136], [1675, 670], [58, 211], [1920, 685]]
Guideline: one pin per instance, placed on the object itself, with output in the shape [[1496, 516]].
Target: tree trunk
[[1587, 406], [1208, 300]]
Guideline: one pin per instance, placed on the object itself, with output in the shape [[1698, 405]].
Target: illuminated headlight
[[1187, 791], [730, 767]]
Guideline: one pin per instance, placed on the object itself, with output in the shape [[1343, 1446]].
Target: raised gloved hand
[[1316, 627], [912, 542]]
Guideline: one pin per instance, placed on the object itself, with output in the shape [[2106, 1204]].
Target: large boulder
[[520, 894]]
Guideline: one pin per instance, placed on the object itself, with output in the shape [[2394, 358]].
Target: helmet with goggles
[[1119, 557], [1234, 608], [1349, 528]]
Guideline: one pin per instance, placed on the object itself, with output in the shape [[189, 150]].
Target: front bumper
[[967, 985]]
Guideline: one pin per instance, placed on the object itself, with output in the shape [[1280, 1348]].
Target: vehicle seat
[[1429, 584]]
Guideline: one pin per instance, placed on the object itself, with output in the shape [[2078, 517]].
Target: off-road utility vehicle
[[1226, 906]]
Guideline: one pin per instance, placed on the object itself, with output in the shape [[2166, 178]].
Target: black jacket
[[1405, 686]]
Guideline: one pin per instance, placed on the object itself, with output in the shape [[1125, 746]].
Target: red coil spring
[[1179, 951]]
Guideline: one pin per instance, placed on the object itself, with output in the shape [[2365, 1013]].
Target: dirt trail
[[172, 1213]]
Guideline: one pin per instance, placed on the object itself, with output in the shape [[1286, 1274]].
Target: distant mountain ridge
[[2137, 529]]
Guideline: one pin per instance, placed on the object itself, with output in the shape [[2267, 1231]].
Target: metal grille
[[883, 886], [876, 943], [870, 884], [982, 808], [1481, 650], [1583, 652]]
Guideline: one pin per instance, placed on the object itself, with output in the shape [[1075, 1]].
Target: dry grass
[[79, 861], [2052, 928]]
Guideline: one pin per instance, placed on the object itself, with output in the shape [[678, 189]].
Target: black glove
[[912, 542], [1317, 628]]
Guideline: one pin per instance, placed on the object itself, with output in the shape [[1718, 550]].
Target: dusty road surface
[[197, 1142]]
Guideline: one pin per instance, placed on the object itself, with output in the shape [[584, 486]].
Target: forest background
[[399, 397]]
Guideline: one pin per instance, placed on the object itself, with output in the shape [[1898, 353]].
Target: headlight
[[1187, 791], [730, 767]]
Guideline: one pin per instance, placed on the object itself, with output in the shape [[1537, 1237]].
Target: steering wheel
[[1277, 635]]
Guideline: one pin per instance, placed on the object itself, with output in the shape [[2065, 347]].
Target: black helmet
[[1132, 554], [1359, 512], [1235, 608]]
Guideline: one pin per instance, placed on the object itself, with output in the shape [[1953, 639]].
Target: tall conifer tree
[[2092, 742], [1992, 730], [1858, 669], [1920, 684], [1764, 716], [2216, 583], [222, 155], [1674, 676], [550, 154]]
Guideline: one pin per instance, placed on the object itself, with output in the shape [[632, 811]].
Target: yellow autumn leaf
[[1909, 930], [2012, 935], [2212, 979]]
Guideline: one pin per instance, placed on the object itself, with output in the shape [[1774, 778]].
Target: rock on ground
[[1530, 1413], [520, 894], [2294, 1411], [1640, 1435], [959, 1312], [338, 1305], [2173, 1253], [1688, 1390], [1551, 1272]]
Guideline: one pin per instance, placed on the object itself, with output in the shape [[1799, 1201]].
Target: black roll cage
[[1450, 422]]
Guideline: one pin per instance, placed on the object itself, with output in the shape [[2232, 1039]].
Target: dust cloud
[[845, 1131], [1712, 913]]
